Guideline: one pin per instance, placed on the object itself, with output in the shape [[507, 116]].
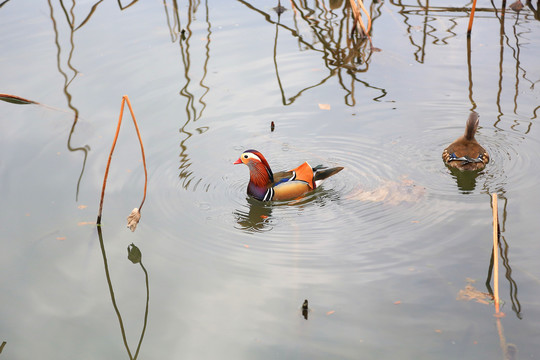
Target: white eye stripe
[[248, 155]]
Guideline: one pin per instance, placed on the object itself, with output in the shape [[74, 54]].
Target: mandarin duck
[[265, 185], [465, 153]]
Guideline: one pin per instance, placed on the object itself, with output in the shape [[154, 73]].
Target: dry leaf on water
[[471, 293], [133, 219], [324, 106], [392, 192]]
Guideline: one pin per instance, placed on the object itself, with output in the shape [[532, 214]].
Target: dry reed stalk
[[471, 18], [495, 255], [358, 17], [134, 217]]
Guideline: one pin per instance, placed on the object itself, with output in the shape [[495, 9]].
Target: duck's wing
[[283, 176], [289, 190], [303, 172]]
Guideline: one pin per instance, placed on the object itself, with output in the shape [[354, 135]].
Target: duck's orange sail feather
[[304, 172]]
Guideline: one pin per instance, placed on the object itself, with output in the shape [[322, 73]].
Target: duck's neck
[[260, 179]]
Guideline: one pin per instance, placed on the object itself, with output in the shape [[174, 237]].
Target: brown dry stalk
[[361, 2], [495, 254], [471, 18], [142, 148], [358, 17], [124, 100]]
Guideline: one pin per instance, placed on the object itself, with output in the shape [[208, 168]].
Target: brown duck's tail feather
[[472, 124], [323, 173]]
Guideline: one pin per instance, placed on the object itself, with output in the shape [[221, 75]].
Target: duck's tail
[[320, 173], [472, 125]]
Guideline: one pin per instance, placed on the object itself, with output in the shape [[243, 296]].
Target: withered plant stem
[[471, 18], [142, 148], [495, 254], [125, 99], [357, 15]]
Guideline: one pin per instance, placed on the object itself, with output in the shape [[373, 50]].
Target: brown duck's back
[[467, 146]]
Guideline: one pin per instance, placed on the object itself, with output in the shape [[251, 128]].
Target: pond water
[[393, 253]]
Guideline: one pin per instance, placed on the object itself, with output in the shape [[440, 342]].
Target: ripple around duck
[[215, 216], [507, 158], [389, 195], [354, 214]]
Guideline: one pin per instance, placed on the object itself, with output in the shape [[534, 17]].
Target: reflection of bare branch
[[503, 251], [67, 82], [194, 112], [536, 11], [122, 7], [89, 15], [113, 298], [172, 29], [69, 21], [342, 54], [469, 72]]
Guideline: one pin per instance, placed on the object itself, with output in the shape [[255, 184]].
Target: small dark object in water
[[305, 309], [516, 6], [272, 126], [279, 9], [183, 34], [336, 4]]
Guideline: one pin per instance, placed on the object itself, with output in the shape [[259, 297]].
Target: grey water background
[[381, 251]]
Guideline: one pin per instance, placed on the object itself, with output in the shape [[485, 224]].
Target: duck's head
[[256, 162]]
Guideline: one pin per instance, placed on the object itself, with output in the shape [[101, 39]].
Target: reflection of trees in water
[[425, 20], [69, 73], [193, 91], [70, 19], [346, 53], [68, 70], [434, 31], [135, 256], [504, 249], [519, 70]]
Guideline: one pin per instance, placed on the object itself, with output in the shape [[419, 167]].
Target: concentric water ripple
[[391, 193]]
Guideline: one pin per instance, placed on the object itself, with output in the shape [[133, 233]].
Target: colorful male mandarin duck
[[285, 185], [466, 153]]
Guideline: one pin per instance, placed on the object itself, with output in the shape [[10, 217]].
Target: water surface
[[381, 251]]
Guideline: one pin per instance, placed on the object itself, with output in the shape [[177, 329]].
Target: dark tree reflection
[[346, 53]]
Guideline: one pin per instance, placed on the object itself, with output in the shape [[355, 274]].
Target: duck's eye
[[245, 156]]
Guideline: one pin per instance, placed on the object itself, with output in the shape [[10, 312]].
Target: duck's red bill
[[239, 161]]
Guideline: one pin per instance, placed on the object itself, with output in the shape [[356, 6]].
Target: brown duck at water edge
[[465, 153]]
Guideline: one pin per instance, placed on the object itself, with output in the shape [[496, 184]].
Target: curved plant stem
[[100, 235], [109, 162], [471, 18], [124, 99], [145, 312]]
